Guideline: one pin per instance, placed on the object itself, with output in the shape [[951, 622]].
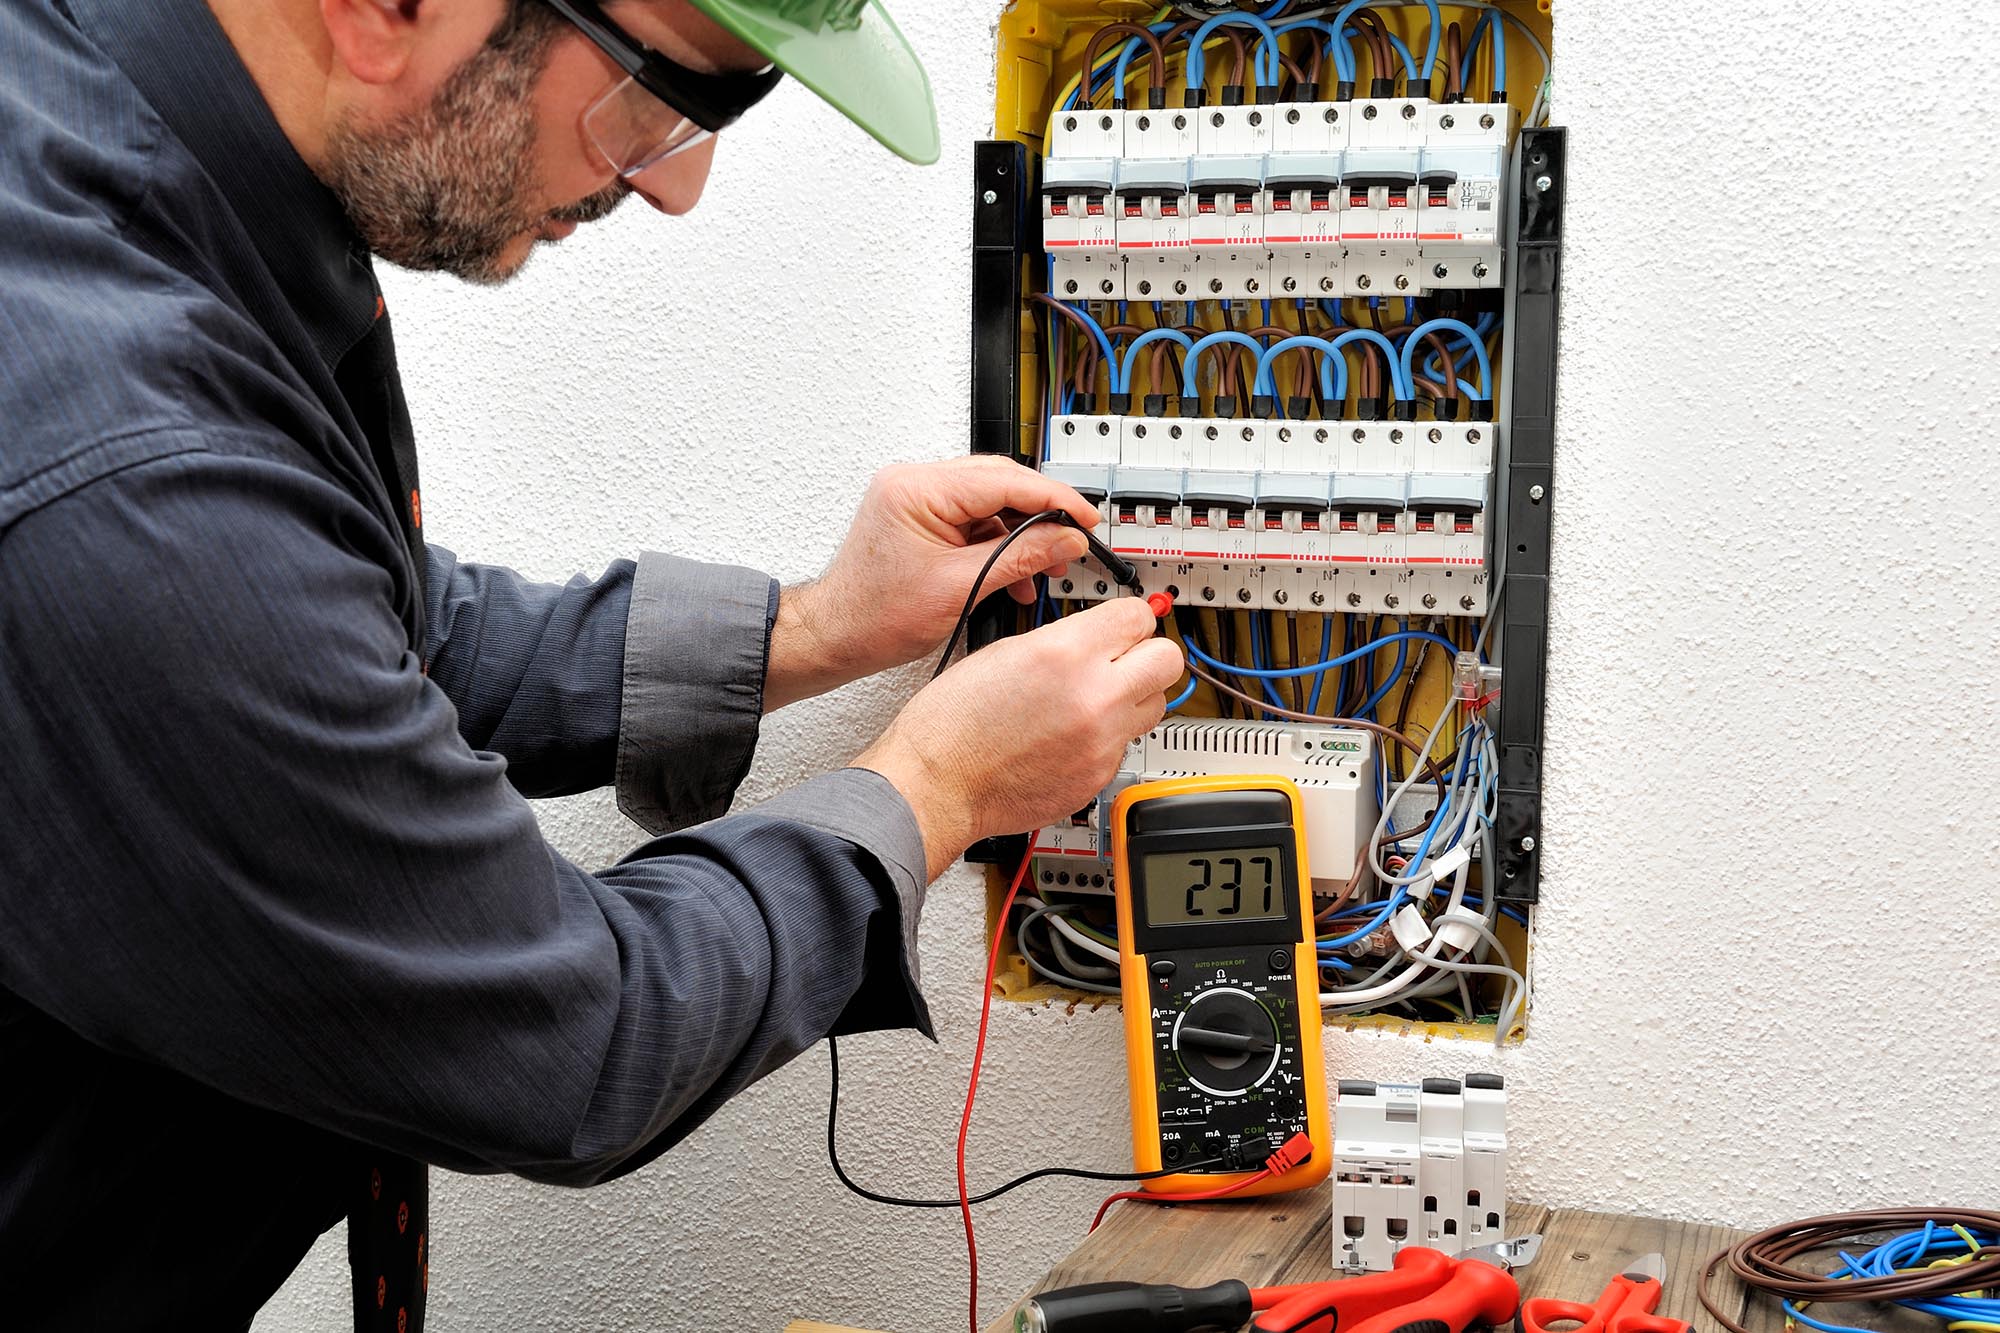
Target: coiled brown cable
[[1763, 1262]]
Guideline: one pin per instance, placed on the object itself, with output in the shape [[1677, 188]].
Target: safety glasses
[[660, 107]]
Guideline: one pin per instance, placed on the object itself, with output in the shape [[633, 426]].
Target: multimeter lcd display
[[1191, 887]]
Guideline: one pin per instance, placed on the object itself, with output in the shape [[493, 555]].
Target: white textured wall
[[1765, 962]]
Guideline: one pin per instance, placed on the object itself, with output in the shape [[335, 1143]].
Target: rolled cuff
[[697, 640], [865, 809]]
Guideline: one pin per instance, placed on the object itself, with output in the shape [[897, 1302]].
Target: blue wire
[[1266, 71], [1332, 366], [1193, 358], [1398, 387], [1257, 627], [1122, 378], [1486, 20], [1325, 647], [1289, 673], [1183, 696], [1481, 326], [1463, 330], [1375, 699]]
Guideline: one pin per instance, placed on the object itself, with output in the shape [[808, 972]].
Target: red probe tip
[[1161, 604]]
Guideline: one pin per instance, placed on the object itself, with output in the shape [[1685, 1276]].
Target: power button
[[1281, 960]]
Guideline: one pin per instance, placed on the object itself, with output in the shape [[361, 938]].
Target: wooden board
[[1582, 1251]]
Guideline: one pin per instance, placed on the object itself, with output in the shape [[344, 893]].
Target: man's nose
[[675, 185]]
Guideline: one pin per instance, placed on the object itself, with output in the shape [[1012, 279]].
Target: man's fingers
[[1110, 628], [979, 486], [1037, 549], [1151, 667]]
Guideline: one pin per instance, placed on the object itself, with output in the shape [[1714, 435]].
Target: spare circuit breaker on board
[[1273, 286]]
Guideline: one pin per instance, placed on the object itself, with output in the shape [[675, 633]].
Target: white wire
[[1397, 984], [1075, 936]]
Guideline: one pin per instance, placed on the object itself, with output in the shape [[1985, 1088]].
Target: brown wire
[[1454, 53], [1763, 1262], [1377, 34], [1436, 344], [1154, 49]]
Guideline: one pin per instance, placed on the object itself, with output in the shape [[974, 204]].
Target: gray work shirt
[[270, 886]]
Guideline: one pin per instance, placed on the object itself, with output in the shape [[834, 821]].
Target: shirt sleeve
[[263, 855], [652, 675]]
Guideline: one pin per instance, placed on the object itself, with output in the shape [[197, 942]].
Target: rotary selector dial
[[1227, 1041]]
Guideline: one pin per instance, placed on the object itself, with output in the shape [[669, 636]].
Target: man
[[277, 927]]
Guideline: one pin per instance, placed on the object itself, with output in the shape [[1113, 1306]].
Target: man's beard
[[451, 186]]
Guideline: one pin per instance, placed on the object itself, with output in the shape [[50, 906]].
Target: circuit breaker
[[1421, 1164]]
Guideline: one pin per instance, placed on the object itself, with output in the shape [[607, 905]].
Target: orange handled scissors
[[1625, 1306]]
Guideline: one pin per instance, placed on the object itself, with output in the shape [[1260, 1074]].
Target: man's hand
[[1025, 731], [899, 580]]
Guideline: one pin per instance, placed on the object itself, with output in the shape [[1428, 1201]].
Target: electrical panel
[[1273, 287], [1418, 1164]]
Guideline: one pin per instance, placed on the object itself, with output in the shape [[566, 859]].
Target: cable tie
[[1412, 932]]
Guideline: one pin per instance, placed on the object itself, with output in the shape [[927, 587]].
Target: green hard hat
[[849, 52]]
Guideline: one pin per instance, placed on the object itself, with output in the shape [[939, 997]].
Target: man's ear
[[373, 39]]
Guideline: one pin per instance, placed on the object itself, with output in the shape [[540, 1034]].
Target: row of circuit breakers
[[1374, 197], [1309, 200]]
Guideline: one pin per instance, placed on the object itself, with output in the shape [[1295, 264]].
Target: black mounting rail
[[1536, 275]]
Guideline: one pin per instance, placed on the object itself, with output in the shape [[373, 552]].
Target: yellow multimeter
[[1217, 965]]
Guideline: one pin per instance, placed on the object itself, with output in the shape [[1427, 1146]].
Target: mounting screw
[[1392, 601], [1544, 184], [1291, 284], [1402, 283], [1430, 600], [1173, 432], [1465, 602], [1180, 289], [1069, 585], [1395, 435], [1103, 428], [1368, 113], [1145, 122], [1359, 435], [1215, 284], [1069, 428], [1472, 435], [1242, 594], [1212, 433], [1364, 282], [1208, 594], [1528, 843], [1281, 597], [990, 197], [1354, 599], [1104, 122], [1480, 270], [1217, 120], [1332, 115], [1250, 286], [1320, 436], [1318, 598], [1180, 122], [1069, 122], [1249, 434], [1139, 430], [1440, 272], [1486, 122], [1326, 284], [1284, 434], [1536, 493], [1437, 436], [1105, 286], [1070, 286], [1292, 116], [1447, 122], [1102, 587], [1256, 118], [1145, 287], [1409, 112]]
